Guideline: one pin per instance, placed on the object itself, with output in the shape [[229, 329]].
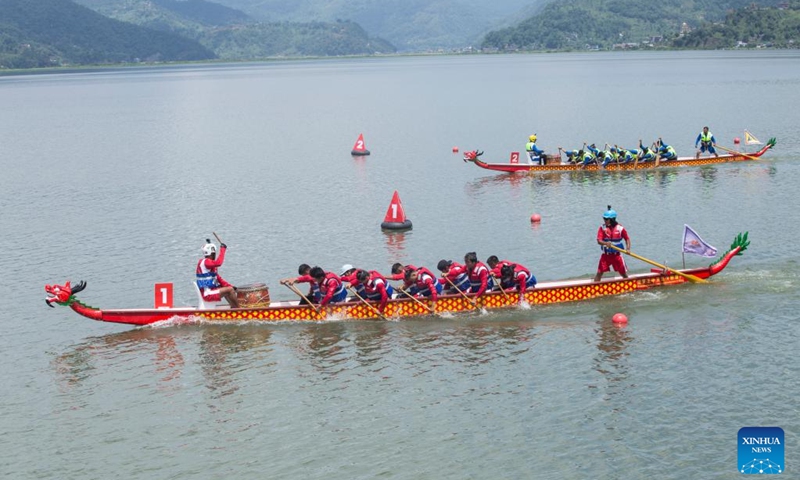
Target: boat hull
[[543, 294], [571, 167]]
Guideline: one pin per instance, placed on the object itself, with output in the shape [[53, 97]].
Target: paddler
[[456, 274], [422, 283], [376, 287], [331, 287], [212, 286], [495, 265], [535, 154], [707, 141], [399, 271], [303, 271], [348, 275], [612, 233], [646, 154], [572, 155], [479, 278], [517, 276], [665, 152]]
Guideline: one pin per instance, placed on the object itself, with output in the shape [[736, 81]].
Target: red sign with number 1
[[163, 295]]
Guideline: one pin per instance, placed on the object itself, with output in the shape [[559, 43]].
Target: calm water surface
[[117, 178]]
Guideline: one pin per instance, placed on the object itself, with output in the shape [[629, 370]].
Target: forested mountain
[[410, 25], [233, 35], [771, 27], [581, 24], [37, 33]]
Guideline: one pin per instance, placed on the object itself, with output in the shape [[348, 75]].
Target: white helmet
[[346, 267], [209, 249]]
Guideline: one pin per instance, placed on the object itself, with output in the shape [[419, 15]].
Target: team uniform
[[610, 257], [208, 280], [706, 141], [425, 285], [667, 152], [332, 289], [377, 288], [457, 274], [313, 292], [535, 154], [522, 279], [479, 279]]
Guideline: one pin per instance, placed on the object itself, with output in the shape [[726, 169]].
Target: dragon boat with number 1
[[544, 293], [552, 163]]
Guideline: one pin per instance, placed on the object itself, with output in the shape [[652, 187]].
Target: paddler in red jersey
[[517, 276], [495, 267], [213, 287], [422, 283], [454, 276], [479, 278], [375, 287], [399, 271], [331, 287], [612, 233], [313, 293]]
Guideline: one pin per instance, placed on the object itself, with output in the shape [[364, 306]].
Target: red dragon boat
[[552, 163], [544, 293]]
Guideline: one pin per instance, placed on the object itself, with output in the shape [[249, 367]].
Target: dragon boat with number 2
[[543, 294], [552, 163]]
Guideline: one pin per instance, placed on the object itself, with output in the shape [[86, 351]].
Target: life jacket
[[706, 138], [206, 278], [461, 280], [588, 157], [475, 276], [668, 151], [613, 235], [323, 287], [421, 287], [519, 271], [371, 286]]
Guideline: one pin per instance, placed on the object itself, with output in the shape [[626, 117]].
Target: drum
[[253, 295]]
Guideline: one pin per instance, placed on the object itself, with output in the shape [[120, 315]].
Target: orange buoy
[[455, 149], [536, 218], [619, 318], [736, 140]]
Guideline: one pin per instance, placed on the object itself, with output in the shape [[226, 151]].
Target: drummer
[[212, 286]]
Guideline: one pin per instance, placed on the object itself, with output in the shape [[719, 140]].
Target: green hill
[[36, 33], [749, 27], [581, 24]]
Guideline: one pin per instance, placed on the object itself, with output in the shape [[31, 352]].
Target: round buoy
[[455, 149], [404, 225], [619, 318], [536, 218], [736, 140]]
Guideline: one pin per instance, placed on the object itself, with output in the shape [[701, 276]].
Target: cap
[[346, 267]]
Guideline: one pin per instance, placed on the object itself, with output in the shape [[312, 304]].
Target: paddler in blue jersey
[[707, 141], [572, 155], [665, 152], [535, 154], [587, 155], [646, 154]]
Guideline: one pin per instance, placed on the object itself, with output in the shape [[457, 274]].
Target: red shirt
[[425, 279], [376, 283], [212, 266], [401, 275], [479, 273], [329, 286], [499, 266], [456, 269]]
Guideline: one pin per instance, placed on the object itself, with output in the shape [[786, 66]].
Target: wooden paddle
[[500, 285], [412, 297], [750, 157], [377, 312], [217, 237], [298, 292], [471, 301], [651, 262]]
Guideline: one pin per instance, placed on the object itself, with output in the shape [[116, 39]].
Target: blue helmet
[[610, 213]]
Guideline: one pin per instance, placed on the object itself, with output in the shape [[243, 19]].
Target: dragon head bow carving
[[62, 295]]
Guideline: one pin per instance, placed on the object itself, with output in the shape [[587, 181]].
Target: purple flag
[[692, 243]]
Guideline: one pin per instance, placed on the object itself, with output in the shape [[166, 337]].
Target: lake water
[[118, 177]]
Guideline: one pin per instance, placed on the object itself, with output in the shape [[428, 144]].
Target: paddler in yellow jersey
[[707, 141]]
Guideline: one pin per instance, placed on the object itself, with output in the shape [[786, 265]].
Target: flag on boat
[[749, 139], [692, 243]]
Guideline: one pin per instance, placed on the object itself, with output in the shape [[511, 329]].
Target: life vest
[[206, 278], [423, 288], [475, 276], [613, 235], [519, 271], [461, 280], [371, 286], [588, 156], [323, 287], [706, 138], [668, 151]]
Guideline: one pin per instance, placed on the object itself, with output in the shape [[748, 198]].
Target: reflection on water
[[611, 358], [396, 245]]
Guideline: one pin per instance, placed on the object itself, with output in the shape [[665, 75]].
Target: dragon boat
[[543, 294], [553, 163]]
